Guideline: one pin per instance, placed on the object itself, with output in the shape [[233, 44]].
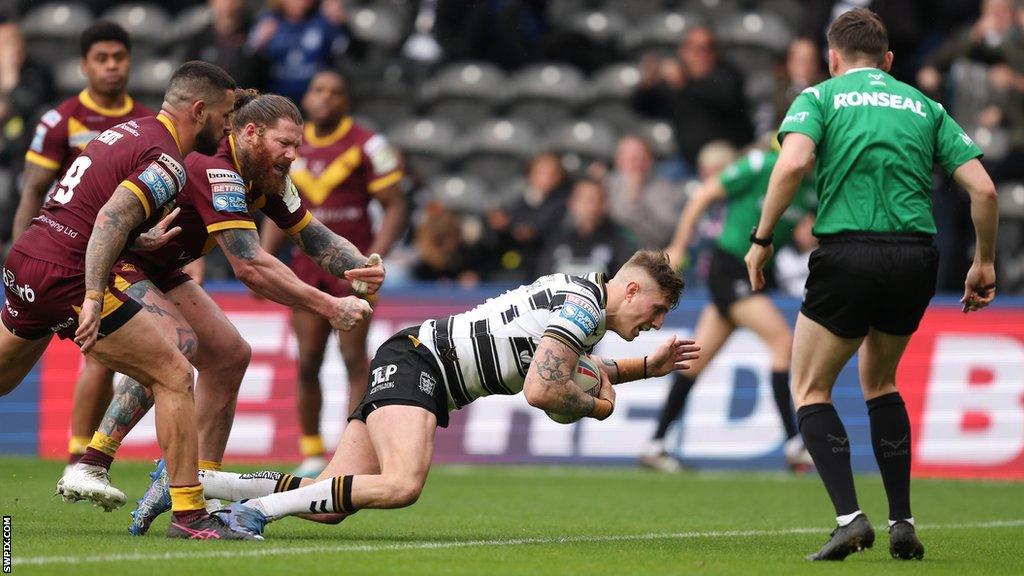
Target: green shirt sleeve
[[953, 147], [738, 177], [804, 116]]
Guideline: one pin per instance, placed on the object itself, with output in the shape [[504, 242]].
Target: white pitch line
[[428, 545]]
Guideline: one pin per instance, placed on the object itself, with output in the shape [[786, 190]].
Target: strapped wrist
[[602, 409], [95, 295]]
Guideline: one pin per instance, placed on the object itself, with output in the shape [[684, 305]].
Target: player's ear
[[833, 62], [198, 110], [887, 61]]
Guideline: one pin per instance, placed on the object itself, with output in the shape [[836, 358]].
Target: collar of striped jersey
[[91, 104], [161, 118], [309, 134], [602, 280]]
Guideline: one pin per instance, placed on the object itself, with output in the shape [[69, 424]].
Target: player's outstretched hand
[[980, 287], [88, 324], [349, 312], [672, 355], [367, 280], [158, 235], [756, 258]]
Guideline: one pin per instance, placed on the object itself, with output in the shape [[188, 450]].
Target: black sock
[[890, 437], [826, 440], [783, 400], [674, 404]]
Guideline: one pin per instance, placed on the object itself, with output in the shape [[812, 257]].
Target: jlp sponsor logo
[[381, 378]]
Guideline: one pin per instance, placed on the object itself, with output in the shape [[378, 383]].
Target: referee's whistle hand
[[979, 287], [755, 259]]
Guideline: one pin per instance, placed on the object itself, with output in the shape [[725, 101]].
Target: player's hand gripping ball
[[587, 376]]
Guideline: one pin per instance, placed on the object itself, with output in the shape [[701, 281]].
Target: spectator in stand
[[518, 230], [441, 253], [587, 241], [24, 86], [982, 42], [802, 69], [509, 33], [700, 93], [640, 201], [223, 43], [1007, 82], [300, 38]]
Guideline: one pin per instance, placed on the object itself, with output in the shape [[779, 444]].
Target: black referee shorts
[[861, 281], [404, 372], [729, 281]]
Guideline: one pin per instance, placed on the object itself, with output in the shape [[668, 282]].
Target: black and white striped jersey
[[488, 350]]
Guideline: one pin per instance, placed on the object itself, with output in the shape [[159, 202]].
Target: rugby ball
[[588, 377]]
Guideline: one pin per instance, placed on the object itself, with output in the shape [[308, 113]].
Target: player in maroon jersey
[[123, 182], [60, 137], [341, 167], [248, 173]]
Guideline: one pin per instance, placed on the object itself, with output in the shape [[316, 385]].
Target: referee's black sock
[[681, 386], [890, 437], [826, 440], [783, 400]]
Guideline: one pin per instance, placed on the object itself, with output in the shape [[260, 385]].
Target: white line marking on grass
[[435, 545]]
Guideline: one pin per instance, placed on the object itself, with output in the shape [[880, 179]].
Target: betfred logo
[[961, 379]]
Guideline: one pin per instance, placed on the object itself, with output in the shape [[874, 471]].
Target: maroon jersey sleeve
[[49, 147], [159, 177], [383, 167], [286, 210], [219, 194]]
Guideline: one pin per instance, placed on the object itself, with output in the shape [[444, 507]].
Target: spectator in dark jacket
[[702, 94], [587, 241], [223, 43]]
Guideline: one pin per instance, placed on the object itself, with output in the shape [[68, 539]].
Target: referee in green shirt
[[872, 140]]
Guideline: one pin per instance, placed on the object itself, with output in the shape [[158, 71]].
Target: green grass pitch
[[533, 520]]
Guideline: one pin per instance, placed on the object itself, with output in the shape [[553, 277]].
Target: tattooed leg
[[131, 399]]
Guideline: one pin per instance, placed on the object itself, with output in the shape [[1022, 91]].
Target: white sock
[[844, 520], [235, 487], [316, 497], [907, 520]]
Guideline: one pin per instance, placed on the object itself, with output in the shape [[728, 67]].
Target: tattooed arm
[[673, 354], [116, 219], [270, 278], [35, 180], [549, 384], [337, 255]]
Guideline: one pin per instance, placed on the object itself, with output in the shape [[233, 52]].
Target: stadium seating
[[498, 149], [464, 92], [190, 21], [459, 192], [146, 23], [582, 142], [68, 78], [660, 135], [1011, 238], [149, 79], [52, 30], [428, 144], [610, 90], [546, 93], [753, 40], [660, 32]]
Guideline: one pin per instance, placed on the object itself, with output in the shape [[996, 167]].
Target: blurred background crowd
[[549, 135]]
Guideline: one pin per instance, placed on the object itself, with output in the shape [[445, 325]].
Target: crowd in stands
[[550, 135]]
